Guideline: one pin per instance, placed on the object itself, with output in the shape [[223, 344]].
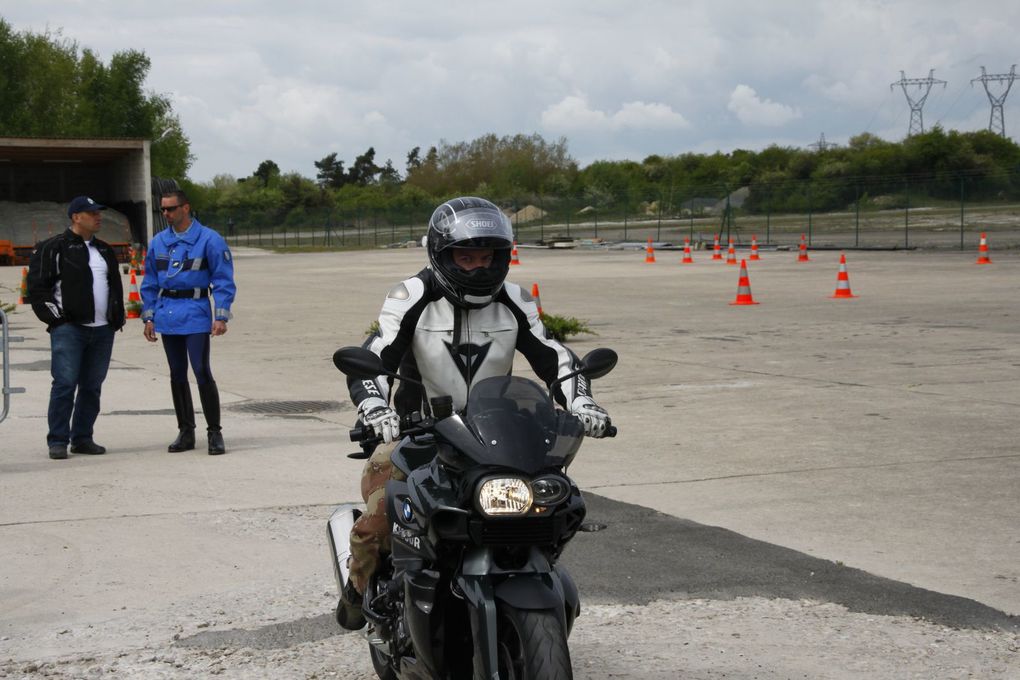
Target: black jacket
[[65, 258]]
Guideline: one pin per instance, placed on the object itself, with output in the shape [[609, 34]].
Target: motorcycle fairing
[[511, 422]]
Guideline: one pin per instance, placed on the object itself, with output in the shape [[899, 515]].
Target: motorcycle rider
[[452, 324]]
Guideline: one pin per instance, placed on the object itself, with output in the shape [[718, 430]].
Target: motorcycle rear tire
[[532, 645]]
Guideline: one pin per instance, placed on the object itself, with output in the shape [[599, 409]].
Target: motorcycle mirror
[[363, 364], [598, 362], [358, 362], [595, 364]]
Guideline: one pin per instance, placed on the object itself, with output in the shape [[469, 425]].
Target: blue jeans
[[80, 357]]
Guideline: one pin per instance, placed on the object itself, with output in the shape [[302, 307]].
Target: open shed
[[39, 176]]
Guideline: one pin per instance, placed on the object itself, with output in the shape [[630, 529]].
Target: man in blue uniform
[[187, 264]]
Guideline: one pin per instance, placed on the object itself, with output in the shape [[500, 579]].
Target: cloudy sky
[[295, 80]]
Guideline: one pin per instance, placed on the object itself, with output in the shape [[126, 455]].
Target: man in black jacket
[[75, 289]]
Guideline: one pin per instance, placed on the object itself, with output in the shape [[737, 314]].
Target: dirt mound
[[26, 224], [528, 213]]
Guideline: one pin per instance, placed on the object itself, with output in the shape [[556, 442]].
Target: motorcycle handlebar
[[363, 433]]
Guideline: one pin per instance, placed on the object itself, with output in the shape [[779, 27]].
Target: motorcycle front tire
[[532, 645], [381, 664]]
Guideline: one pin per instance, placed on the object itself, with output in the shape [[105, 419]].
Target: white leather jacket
[[424, 335]]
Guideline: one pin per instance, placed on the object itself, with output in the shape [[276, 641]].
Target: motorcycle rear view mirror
[[598, 362], [362, 364], [358, 362], [595, 364]]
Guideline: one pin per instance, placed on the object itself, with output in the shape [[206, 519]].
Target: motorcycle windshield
[[517, 425]]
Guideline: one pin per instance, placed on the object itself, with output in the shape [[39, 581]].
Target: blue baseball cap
[[83, 204]]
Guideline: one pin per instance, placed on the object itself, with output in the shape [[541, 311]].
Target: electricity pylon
[[996, 123], [916, 104], [822, 144]]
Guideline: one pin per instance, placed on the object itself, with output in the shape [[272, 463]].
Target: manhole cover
[[286, 408]]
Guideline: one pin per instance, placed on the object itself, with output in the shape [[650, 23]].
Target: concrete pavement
[[879, 432]]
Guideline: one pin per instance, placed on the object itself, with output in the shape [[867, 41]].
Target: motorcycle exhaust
[[338, 529]]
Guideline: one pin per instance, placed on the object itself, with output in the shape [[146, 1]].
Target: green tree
[[331, 173], [267, 173], [50, 90], [363, 169]]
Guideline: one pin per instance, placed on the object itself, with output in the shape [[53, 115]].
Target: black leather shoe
[[89, 448], [185, 441], [348, 609], [216, 445], [58, 451]]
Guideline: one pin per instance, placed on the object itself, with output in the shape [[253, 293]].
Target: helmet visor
[[473, 228]]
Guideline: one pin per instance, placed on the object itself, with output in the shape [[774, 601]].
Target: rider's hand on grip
[[375, 413], [592, 416]]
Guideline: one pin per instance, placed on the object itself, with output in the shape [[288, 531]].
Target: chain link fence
[[934, 211]]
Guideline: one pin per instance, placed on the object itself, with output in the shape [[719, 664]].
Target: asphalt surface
[[861, 452]]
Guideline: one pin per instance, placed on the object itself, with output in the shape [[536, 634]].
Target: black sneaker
[[90, 448], [58, 451], [348, 609]]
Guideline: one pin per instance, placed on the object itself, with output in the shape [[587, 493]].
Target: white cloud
[[292, 82], [573, 114], [753, 110]]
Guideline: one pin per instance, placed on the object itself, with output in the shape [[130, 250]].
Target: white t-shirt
[[100, 286]]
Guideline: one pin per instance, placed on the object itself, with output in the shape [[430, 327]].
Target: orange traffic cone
[[743, 288], [842, 280], [134, 303], [538, 298], [754, 248], [649, 252], [23, 300], [803, 256], [731, 254], [716, 250], [145, 251], [687, 252], [983, 251], [513, 255]]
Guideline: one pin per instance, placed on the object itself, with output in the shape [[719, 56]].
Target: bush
[[561, 327]]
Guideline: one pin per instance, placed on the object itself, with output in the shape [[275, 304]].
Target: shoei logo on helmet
[[482, 224]]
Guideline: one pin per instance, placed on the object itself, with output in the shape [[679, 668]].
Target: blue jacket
[[197, 261]]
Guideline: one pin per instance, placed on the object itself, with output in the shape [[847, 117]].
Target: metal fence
[[931, 211]]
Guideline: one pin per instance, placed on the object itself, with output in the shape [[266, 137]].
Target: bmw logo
[[406, 511]]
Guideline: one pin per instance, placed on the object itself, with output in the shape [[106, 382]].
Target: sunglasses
[[169, 208]]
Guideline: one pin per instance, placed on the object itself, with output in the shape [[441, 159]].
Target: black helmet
[[469, 222]]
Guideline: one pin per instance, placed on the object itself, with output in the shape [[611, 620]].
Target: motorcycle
[[471, 587]]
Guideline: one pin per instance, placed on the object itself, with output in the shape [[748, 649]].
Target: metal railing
[[7, 338]]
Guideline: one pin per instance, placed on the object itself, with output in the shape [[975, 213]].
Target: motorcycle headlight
[[504, 496], [549, 490]]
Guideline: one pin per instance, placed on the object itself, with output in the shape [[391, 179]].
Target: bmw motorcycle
[[471, 587]]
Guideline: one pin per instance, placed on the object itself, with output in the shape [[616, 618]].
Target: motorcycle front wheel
[[532, 645], [381, 664]]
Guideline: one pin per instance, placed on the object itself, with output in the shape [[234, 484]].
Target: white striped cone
[[716, 249], [983, 251], [731, 254], [754, 248], [744, 288], [843, 280], [687, 252]]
